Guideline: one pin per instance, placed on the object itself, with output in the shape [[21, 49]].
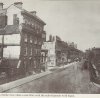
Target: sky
[[75, 21]]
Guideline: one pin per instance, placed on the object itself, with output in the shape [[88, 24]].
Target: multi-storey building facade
[[21, 32], [61, 51], [51, 56], [57, 51], [74, 54]]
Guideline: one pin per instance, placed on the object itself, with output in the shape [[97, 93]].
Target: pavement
[[14, 84], [62, 66], [65, 79], [58, 81]]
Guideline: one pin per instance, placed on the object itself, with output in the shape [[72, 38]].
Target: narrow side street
[[66, 80]]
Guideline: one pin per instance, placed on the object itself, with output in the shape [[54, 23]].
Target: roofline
[[23, 10], [95, 48], [37, 18]]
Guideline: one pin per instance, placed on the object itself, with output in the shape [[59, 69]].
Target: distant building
[[57, 51], [95, 51], [74, 54], [44, 54], [23, 34], [51, 56], [72, 44]]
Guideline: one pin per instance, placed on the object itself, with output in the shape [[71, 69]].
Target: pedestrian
[[85, 64]]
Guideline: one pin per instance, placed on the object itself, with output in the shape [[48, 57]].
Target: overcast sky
[[73, 20]]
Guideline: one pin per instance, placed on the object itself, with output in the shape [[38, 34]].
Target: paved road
[[66, 80]]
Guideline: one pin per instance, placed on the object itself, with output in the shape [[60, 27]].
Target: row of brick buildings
[[60, 52], [23, 41]]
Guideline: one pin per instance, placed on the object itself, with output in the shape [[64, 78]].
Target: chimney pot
[[33, 12], [18, 4], [1, 5]]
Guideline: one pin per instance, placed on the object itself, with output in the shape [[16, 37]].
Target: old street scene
[[50, 47]]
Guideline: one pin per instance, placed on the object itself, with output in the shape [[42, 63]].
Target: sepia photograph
[[50, 47]]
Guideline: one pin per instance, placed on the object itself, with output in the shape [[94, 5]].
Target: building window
[[35, 26], [32, 25], [40, 29], [37, 31], [31, 51], [36, 51], [43, 35], [3, 21], [31, 39], [26, 51], [40, 43], [35, 41], [39, 51], [25, 38], [26, 22], [15, 19]]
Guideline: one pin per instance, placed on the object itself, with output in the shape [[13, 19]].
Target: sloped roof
[[23, 11], [9, 29], [28, 13], [35, 16]]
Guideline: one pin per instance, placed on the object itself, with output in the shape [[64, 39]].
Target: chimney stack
[[33, 12], [18, 4], [1, 5]]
